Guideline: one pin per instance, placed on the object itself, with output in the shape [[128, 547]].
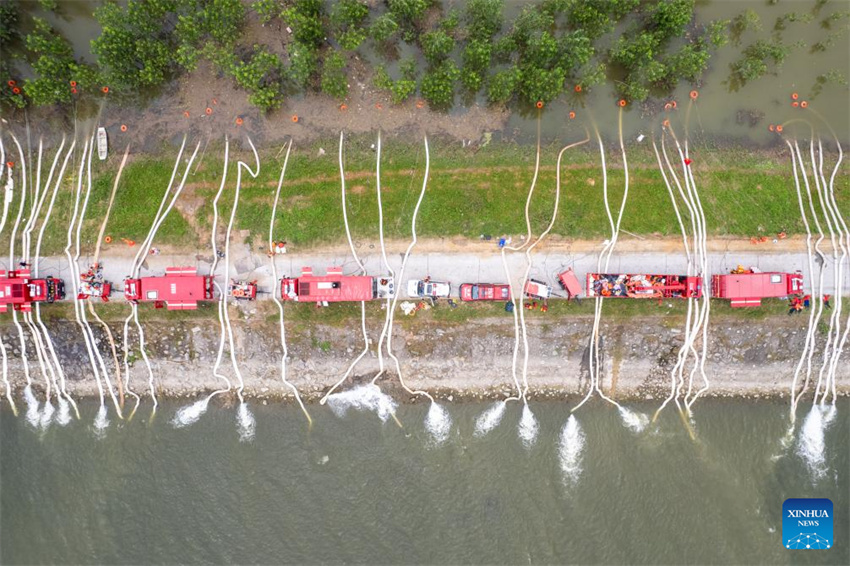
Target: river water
[[356, 490]]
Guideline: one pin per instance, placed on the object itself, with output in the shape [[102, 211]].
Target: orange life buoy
[[208, 111], [794, 96], [782, 235], [16, 90], [73, 83], [673, 102], [804, 104], [694, 95], [105, 90], [795, 104], [668, 106], [10, 164], [11, 83], [295, 118], [578, 88], [108, 239], [379, 106], [186, 113], [343, 107], [771, 128], [238, 121], [73, 91], [665, 123], [622, 103], [572, 115], [420, 104], [123, 127], [779, 129], [539, 104]]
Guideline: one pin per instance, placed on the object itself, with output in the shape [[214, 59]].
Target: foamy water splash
[[33, 416], [64, 416], [438, 423], [101, 422], [490, 419], [810, 445], [528, 427], [190, 414], [635, 422], [247, 423], [47, 415], [367, 397], [570, 450]]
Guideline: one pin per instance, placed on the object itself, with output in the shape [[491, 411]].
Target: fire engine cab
[[18, 291], [335, 287], [747, 287], [640, 286], [179, 289]]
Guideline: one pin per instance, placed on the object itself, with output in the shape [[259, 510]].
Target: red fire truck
[[335, 287], [746, 288], [18, 291], [640, 286], [179, 289]]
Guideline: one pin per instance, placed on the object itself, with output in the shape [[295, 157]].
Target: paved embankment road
[[468, 262]]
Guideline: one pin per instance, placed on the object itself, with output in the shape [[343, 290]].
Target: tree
[[208, 28], [669, 18], [384, 28], [407, 13], [334, 81], [436, 46], [53, 61], [135, 50], [502, 86], [9, 31], [476, 60], [438, 84], [262, 77], [347, 18], [484, 18], [305, 19], [303, 64], [266, 10], [401, 89]]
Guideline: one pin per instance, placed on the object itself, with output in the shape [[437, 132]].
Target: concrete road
[[481, 264]]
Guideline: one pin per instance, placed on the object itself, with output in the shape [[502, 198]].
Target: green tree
[[135, 50], [384, 28], [401, 89], [436, 46], [303, 64], [266, 10], [476, 61], [502, 86], [408, 14], [347, 19], [305, 19], [262, 77], [438, 84], [484, 18], [208, 28], [334, 81], [9, 31]]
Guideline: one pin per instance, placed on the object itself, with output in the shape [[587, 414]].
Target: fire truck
[[179, 289], [643, 286], [335, 287], [19, 291], [747, 287]]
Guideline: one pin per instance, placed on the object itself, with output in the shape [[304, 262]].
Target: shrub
[[303, 63], [305, 19], [484, 18], [262, 76], [384, 28], [502, 86], [436, 46], [266, 10], [438, 84], [334, 81], [347, 17]]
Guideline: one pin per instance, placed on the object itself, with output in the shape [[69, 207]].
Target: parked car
[[419, 288], [535, 289], [485, 292]]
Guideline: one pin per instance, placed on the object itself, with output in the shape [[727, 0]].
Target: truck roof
[[737, 286], [15, 287], [180, 288], [332, 287]]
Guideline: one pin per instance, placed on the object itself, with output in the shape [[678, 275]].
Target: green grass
[[468, 194]]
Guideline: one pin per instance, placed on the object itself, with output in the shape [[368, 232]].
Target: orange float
[[123, 127], [105, 90], [770, 127], [295, 118], [572, 115], [578, 88], [238, 121], [379, 106], [130, 243], [804, 104], [16, 90], [622, 103], [673, 102], [420, 104], [186, 113], [73, 91], [11, 83], [73, 83], [779, 129], [343, 107], [694, 95], [794, 96], [782, 235], [795, 104], [668, 106], [208, 111], [108, 239], [666, 123], [10, 164], [539, 104]]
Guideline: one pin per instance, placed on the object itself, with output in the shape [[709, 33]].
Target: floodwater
[[725, 112], [358, 490]]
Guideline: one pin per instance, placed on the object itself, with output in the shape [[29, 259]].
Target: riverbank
[[453, 359], [473, 190]]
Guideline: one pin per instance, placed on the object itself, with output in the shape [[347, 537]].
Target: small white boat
[[102, 143]]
